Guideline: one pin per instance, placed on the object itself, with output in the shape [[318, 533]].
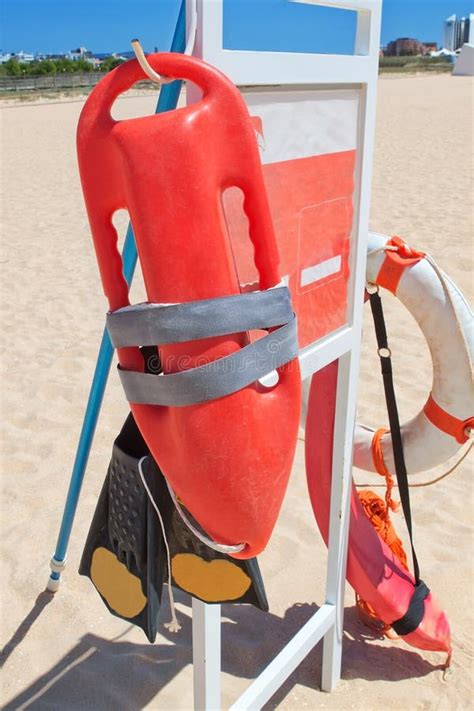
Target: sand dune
[[69, 653]]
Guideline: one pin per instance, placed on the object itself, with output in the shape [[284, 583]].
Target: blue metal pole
[[167, 101]]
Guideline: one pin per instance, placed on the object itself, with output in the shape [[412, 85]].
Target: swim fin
[[125, 552], [124, 555]]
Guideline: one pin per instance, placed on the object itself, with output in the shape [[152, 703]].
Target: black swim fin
[[199, 570], [125, 552]]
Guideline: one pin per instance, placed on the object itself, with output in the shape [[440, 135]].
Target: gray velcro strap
[[216, 379], [153, 324]]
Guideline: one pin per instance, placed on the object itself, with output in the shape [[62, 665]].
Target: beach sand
[[67, 652]]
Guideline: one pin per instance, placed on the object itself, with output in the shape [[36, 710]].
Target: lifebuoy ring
[[445, 318], [436, 433]]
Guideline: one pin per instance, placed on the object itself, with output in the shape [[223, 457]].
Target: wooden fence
[[50, 81]]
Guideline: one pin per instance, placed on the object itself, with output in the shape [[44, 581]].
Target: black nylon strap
[[416, 610], [397, 444]]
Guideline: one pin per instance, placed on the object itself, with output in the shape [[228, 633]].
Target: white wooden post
[[206, 656], [250, 68], [366, 43]]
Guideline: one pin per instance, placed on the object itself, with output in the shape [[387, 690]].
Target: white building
[[449, 34], [80, 53], [22, 56], [458, 32]]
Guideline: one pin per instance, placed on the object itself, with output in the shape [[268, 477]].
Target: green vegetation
[[409, 63], [110, 63], [14, 68]]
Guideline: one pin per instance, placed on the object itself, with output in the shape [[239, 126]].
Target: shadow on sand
[[19, 635], [133, 674]]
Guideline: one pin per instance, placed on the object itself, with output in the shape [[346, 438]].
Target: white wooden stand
[[358, 71]]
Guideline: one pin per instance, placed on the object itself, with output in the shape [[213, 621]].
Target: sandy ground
[[68, 652]]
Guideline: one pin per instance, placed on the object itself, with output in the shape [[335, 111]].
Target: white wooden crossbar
[[280, 668]]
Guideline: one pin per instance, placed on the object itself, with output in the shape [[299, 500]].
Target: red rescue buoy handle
[[238, 159], [173, 65]]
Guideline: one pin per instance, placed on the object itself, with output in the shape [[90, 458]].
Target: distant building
[[22, 56], [86, 55], [458, 32], [449, 33], [48, 55], [4, 56], [470, 39], [80, 53], [404, 46], [463, 31]]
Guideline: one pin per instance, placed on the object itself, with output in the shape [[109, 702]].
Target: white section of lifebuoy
[[446, 321]]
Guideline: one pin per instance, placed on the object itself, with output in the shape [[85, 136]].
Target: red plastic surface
[[228, 460], [373, 570], [311, 206]]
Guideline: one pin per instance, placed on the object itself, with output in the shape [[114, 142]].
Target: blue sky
[[109, 25]]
